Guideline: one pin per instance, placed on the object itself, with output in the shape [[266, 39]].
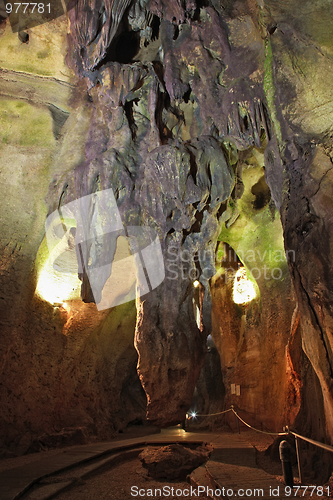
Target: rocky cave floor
[[116, 482]]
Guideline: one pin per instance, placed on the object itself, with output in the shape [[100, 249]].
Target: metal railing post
[[299, 459], [285, 457]]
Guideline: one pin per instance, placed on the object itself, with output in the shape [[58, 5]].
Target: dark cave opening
[[23, 36], [176, 32], [262, 193], [228, 255], [200, 4], [126, 47], [155, 26]]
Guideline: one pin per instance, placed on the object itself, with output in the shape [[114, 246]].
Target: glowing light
[[56, 286], [193, 414], [196, 284], [244, 290]]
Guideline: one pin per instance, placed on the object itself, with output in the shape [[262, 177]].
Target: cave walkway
[[232, 465]]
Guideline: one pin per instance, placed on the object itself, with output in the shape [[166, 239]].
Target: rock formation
[[174, 461]]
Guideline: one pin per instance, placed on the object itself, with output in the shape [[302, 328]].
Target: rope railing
[[287, 432], [324, 446], [258, 430], [211, 414]]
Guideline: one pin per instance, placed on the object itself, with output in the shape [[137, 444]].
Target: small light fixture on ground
[[244, 290], [196, 284]]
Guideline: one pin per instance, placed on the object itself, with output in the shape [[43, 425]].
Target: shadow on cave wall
[[209, 392]]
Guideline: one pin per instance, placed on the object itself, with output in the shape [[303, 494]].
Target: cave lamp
[[244, 290]]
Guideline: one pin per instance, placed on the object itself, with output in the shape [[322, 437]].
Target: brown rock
[[173, 461]]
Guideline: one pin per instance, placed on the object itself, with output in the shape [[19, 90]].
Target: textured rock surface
[[305, 149], [178, 190], [166, 329], [249, 336], [208, 94], [173, 461], [61, 369]]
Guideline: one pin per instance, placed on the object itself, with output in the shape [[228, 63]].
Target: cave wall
[[298, 163], [253, 337], [63, 368], [299, 61]]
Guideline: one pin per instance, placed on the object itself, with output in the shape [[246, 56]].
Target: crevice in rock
[[60, 203], [97, 184], [59, 118], [221, 210], [128, 108], [321, 180], [266, 121], [272, 29], [196, 227], [325, 342], [23, 37], [162, 100], [186, 96], [155, 26], [144, 155], [262, 193], [200, 4], [124, 45], [159, 71], [176, 32], [193, 170]]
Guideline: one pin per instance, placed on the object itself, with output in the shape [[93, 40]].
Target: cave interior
[[165, 218]]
